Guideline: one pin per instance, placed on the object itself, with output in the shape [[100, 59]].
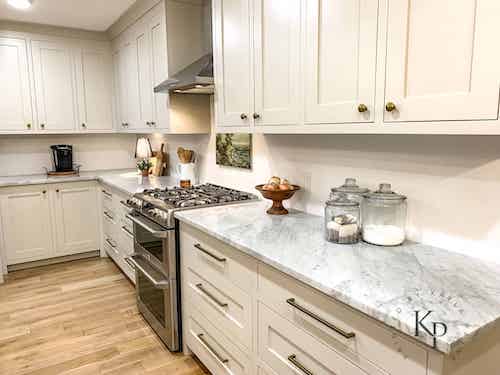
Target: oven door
[[155, 243], [157, 300]]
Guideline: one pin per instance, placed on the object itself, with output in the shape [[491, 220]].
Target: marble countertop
[[126, 180], [387, 284]]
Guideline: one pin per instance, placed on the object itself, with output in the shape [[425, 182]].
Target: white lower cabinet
[[26, 227], [47, 221], [117, 231], [76, 219], [289, 350], [215, 350], [242, 316]]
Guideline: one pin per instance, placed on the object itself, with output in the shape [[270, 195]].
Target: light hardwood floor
[[79, 318]]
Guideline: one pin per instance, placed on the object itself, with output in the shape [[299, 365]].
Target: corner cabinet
[[364, 66], [48, 221], [140, 63]]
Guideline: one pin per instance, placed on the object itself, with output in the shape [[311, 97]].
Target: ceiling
[[95, 15]]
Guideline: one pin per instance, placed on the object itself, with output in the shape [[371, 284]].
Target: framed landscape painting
[[234, 150]]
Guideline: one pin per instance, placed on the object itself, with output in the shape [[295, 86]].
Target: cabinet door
[[340, 60], [159, 68], [441, 60], [128, 85], [76, 219], [142, 42], [15, 97], [234, 91], [277, 61], [26, 225], [94, 72], [55, 86]]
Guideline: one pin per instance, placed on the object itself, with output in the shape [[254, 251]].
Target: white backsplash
[[452, 182], [29, 154]]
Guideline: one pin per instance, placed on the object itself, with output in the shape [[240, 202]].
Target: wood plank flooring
[[79, 318]]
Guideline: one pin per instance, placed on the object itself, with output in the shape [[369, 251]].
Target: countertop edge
[[443, 347]]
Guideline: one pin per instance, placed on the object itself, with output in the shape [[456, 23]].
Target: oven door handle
[[153, 228], [157, 283]]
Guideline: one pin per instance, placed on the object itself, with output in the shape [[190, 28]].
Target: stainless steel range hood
[[197, 78]]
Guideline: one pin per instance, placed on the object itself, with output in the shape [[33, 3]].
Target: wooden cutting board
[[159, 162]]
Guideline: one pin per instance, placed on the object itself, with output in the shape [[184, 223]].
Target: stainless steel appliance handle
[[126, 230], [294, 361], [201, 337], [205, 251], [158, 284], [210, 295], [149, 225], [333, 327]]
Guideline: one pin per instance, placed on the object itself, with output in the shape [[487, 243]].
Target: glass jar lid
[[385, 192], [350, 186], [342, 201]]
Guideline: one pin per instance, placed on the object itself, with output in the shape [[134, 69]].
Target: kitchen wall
[[29, 154], [452, 182]]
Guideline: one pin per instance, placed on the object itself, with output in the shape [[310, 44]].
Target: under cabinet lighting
[[20, 4]]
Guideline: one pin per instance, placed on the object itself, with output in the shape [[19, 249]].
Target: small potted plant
[[144, 165]]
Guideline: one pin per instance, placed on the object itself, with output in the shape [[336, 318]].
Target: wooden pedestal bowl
[[277, 196]]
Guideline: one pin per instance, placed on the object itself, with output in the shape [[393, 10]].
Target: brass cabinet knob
[[44, 191], [28, 126], [153, 123], [57, 190], [243, 116], [83, 125], [362, 108], [390, 106], [256, 116], [42, 126]]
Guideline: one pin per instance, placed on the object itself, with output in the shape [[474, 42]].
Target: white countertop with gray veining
[[387, 284], [126, 180]]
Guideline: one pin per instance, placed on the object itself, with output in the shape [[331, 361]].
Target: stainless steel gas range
[[156, 250]]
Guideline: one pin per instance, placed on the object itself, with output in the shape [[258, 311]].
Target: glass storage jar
[[384, 217], [342, 220], [350, 189]]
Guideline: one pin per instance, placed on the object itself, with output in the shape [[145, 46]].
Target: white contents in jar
[[385, 235]]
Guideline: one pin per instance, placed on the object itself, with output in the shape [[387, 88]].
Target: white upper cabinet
[[54, 85], [95, 94], [15, 96], [232, 62], [441, 60], [340, 60], [277, 62], [143, 46], [159, 69]]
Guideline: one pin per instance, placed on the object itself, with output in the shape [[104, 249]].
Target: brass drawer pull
[[108, 215], [347, 335], [210, 295], [126, 230], [201, 337], [294, 361], [217, 258]]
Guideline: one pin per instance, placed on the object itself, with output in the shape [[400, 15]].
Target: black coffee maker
[[63, 157]]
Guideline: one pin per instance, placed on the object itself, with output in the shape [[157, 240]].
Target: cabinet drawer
[[109, 225], [226, 306], [107, 199], [372, 343], [118, 257], [217, 261], [289, 350], [216, 352]]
